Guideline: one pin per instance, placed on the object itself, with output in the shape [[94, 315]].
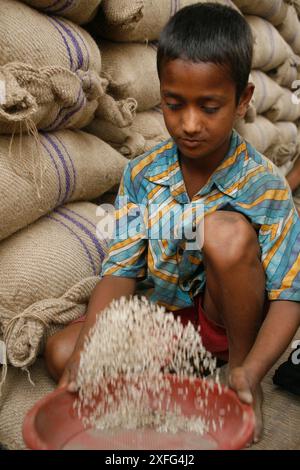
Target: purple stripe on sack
[[61, 118], [83, 218], [57, 171], [74, 41], [71, 161], [79, 239], [85, 230], [86, 50], [81, 103], [65, 42], [63, 7], [80, 217], [64, 164]]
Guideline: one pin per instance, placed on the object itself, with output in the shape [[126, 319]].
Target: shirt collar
[[165, 170]]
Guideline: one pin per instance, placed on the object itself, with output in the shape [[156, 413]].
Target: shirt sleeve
[[126, 255], [279, 238]]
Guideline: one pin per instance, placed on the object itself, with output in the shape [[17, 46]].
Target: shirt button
[[185, 284]]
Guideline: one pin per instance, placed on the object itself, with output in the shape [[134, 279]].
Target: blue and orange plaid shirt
[[245, 181]]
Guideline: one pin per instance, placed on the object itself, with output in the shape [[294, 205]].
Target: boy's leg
[[235, 290], [59, 348]]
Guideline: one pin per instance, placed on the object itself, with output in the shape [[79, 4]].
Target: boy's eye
[[210, 110], [173, 106]]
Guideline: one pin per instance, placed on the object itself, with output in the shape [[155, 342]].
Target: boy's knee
[[230, 238], [58, 350]]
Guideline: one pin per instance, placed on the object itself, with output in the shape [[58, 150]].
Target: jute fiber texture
[[146, 131], [290, 29], [286, 149], [261, 133], [131, 72], [79, 11], [266, 92], [50, 69], [286, 108], [270, 49], [286, 73], [48, 271], [63, 166], [19, 395], [139, 20], [274, 11]]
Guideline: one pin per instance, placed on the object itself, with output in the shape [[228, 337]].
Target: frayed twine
[[37, 161]]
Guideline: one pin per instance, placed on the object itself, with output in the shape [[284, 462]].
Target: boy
[[243, 285]]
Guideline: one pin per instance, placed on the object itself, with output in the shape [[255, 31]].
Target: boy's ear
[[245, 100]]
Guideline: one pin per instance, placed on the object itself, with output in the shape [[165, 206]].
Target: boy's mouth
[[191, 143]]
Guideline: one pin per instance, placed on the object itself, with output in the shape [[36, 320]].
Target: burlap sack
[[79, 11], [288, 72], [48, 271], [19, 395], [266, 92], [261, 133], [286, 108], [274, 11], [285, 150], [49, 71], [118, 112], [147, 130], [270, 49], [65, 166], [290, 29], [139, 20], [131, 72], [296, 4]]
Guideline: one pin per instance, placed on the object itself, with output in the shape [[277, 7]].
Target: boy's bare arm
[[275, 335], [108, 289]]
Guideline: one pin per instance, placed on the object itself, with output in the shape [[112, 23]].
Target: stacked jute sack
[[276, 68], [128, 31], [50, 256]]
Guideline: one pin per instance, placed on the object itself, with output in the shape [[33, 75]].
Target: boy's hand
[[249, 393], [68, 379]]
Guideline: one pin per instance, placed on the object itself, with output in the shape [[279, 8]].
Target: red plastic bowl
[[52, 424]]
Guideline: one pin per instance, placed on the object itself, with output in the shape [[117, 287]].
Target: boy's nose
[[191, 122]]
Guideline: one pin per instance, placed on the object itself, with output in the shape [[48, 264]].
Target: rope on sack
[[120, 113], [57, 310]]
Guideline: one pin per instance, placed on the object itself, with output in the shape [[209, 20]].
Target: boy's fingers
[[64, 380], [72, 387], [239, 383], [72, 375], [245, 396]]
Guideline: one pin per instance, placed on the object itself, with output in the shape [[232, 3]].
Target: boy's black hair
[[209, 32]]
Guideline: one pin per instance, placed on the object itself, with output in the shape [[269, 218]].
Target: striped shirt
[[245, 181]]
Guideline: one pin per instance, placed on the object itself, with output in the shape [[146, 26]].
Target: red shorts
[[213, 336]]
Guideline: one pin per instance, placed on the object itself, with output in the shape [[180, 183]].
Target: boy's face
[[199, 106]]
